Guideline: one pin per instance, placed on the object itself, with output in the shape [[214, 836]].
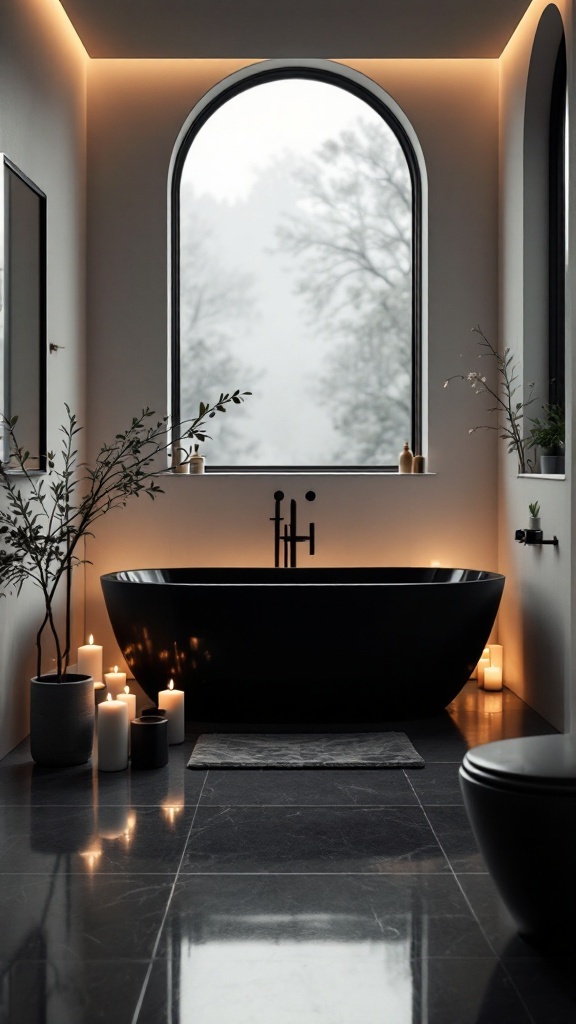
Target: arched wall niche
[[543, 298]]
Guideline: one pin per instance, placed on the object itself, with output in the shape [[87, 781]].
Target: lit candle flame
[[109, 697], [90, 639], [126, 688], [115, 668], [171, 684]]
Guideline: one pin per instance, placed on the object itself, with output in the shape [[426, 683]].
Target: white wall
[[536, 617], [42, 129], [135, 112]]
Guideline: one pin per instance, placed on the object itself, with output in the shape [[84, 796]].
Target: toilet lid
[[545, 759]]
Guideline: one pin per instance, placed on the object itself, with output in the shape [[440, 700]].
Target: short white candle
[[492, 677], [497, 656], [483, 664], [130, 700], [172, 701], [90, 660], [112, 735], [115, 681]]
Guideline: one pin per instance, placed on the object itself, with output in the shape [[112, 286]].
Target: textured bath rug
[[304, 750]]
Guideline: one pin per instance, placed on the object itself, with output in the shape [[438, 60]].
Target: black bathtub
[[304, 645]]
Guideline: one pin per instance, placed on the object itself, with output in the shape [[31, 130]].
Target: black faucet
[[288, 535]]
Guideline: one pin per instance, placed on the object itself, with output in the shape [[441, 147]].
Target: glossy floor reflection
[[327, 896]]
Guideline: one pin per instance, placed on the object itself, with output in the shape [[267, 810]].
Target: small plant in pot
[[534, 510], [548, 434], [43, 520]]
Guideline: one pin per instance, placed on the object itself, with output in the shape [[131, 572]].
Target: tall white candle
[[172, 701], [130, 702], [90, 660], [115, 681], [112, 735], [497, 656]]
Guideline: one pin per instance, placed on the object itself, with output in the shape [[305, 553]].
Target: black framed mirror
[[23, 310]]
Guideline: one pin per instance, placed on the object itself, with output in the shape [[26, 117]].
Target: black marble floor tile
[[63, 992], [23, 784], [547, 987], [335, 839], [93, 917], [336, 983], [438, 785], [428, 912], [469, 992], [498, 924], [117, 838], [452, 829], [362, 787]]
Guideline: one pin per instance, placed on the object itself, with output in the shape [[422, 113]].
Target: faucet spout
[[287, 535]]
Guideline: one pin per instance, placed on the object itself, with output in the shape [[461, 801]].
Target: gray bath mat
[[305, 750]]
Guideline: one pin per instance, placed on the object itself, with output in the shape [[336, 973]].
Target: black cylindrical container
[[149, 742]]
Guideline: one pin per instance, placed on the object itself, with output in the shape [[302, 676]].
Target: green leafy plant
[[509, 409], [43, 522], [534, 509], [549, 433]]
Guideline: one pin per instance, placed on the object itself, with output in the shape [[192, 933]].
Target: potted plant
[[508, 407], [43, 520], [534, 510], [548, 434]]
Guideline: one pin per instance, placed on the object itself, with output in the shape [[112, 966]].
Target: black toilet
[[520, 796]]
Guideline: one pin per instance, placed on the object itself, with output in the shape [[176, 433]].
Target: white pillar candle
[[483, 664], [130, 701], [172, 702], [115, 681], [497, 656], [492, 677], [112, 735], [90, 660]]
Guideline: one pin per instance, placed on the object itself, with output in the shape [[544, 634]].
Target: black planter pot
[[61, 720]]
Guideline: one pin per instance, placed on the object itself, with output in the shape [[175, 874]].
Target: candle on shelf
[[115, 681], [172, 701], [497, 656], [90, 660], [492, 677], [483, 664], [112, 735]]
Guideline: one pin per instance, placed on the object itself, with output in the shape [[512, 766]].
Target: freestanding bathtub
[[280, 645], [304, 645]]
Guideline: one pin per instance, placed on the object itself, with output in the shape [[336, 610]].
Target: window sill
[[295, 472], [541, 476]]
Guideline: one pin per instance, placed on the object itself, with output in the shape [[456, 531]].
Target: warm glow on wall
[[51, 18]]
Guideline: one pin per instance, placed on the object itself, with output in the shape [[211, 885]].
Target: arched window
[[296, 272]]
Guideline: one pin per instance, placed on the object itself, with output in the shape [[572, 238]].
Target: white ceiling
[[295, 28]]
